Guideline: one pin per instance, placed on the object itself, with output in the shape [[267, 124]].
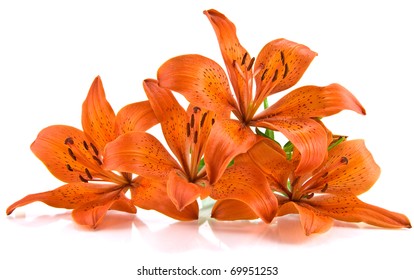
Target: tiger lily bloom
[[185, 132], [76, 158], [279, 66], [330, 191]]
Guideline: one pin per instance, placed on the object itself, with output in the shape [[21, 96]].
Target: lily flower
[[330, 191], [76, 158], [279, 66], [185, 132]]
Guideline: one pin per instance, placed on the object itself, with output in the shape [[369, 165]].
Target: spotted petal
[[137, 116]]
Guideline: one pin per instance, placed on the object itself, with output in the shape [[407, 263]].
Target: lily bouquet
[[222, 146]]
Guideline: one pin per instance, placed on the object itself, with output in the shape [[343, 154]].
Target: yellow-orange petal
[[348, 208], [232, 209], [51, 149], [152, 195], [314, 101], [173, 119], [245, 182], [137, 116], [200, 80], [140, 153], [98, 117], [228, 138], [311, 219], [282, 63], [360, 173], [307, 135]]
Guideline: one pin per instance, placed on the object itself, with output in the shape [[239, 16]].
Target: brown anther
[[88, 174], [69, 167], [203, 119], [344, 160], [275, 75], [309, 196], [195, 137], [282, 57], [83, 179], [85, 145], [325, 174], [72, 155], [192, 120], [69, 141], [324, 188], [196, 109], [95, 150], [188, 130], [286, 71], [250, 64], [213, 121], [244, 58], [264, 74], [97, 160]]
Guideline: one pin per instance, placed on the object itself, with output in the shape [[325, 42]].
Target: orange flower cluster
[[217, 147]]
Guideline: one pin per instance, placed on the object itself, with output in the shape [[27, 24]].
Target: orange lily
[[185, 132], [279, 66], [76, 157], [330, 191]]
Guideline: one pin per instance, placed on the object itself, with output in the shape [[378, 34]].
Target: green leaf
[[288, 148]]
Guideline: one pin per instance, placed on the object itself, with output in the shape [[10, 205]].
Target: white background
[[50, 52]]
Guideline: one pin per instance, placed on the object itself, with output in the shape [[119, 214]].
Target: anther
[[203, 118], [188, 130], [69, 167], [85, 145], [72, 155], [83, 179], [213, 121], [195, 137], [286, 71], [196, 109], [263, 75], [69, 141], [244, 58], [88, 174], [324, 188], [282, 57], [275, 75], [97, 160], [250, 64], [344, 160], [95, 150], [192, 120]]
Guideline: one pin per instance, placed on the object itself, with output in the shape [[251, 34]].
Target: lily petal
[[232, 209], [243, 181], [182, 192], [93, 212], [228, 138], [311, 219], [234, 55], [152, 195], [201, 80], [98, 117], [349, 208], [137, 116], [307, 135], [360, 173], [140, 153], [282, 64], [51, 149], [173, 119], [313, 101], [68, 196]]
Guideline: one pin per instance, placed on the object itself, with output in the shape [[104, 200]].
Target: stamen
[[344, 160], [72, 155], [282, 57], [69, 141], [83, 179], [286, 71], [263, 75], [97, 160], [196, 109], [275, 75], [213, 121], [324, 188], [88, 174], [244, 58], [250, 64], [203, 118], [188, 130], [195, 137], [192, 120], [69, 167], [85, 145], [95, 150]]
